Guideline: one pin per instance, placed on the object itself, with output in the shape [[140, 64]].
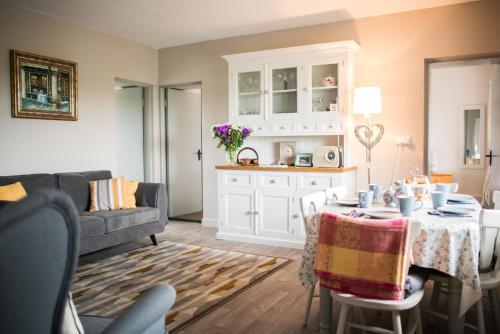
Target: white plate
[[383, 214], [347, 202], [461, 199], [456, 210]]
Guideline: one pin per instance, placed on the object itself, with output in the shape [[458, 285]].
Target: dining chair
[[348, 301], [309, 204], [489, 268], [335, 193]]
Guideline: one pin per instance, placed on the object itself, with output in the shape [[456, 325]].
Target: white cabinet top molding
[[266, 56]]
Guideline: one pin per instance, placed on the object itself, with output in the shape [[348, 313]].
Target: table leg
[[456, 324], [325, 311]]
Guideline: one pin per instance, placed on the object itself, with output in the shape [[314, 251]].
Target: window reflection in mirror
[[472, 131]]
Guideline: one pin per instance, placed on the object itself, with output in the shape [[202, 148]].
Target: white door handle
[[234, 180], [314, 183], [272, 181]]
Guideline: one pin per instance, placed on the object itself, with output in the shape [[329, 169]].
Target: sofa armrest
[[147, 315], [153, 195]]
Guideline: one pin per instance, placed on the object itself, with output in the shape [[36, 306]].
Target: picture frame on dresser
[[303, 160], [43, 87]]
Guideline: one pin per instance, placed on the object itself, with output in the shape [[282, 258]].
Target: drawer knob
[[234, 180], [305, 127], [282, 128], [295, 216], [313, 183], [259, 128], [272, 181], [330, 126]]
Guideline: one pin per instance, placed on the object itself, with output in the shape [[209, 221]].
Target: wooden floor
[[275, 305], [193, 217]]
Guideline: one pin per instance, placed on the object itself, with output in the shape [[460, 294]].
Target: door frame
[[427, 65], [164, 135], [145, 130]]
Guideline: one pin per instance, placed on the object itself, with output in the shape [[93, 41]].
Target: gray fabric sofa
[[39, 239], [104, 228]]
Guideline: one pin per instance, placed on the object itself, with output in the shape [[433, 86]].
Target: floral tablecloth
[[450, 245]]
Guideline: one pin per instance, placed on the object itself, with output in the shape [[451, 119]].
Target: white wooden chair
[[348, 301], [490, 275], [309, 204], [335, 193]]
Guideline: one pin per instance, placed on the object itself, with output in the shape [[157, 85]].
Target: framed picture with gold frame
[[43, 87]]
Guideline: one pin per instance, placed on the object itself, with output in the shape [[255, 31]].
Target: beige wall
[[393, 48], [90, 143]]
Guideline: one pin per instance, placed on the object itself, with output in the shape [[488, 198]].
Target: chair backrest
[[490, 240], [335, 193], [496, 200], [39, 240], [310, 204]]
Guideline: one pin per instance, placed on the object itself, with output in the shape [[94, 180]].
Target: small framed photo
[[303, 160]]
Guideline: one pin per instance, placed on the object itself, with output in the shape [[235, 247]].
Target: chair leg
[[310, 295], [495, 307], [436, 291], [396, 323], [480, 317], [153, 239], [362, 319], [344, 314], [418, 319]]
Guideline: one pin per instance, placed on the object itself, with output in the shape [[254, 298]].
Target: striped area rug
[[203, 277]]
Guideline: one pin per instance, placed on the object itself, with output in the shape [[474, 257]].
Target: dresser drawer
[[276, 180], [237, 179], [312, 181], [329, 126], [305, 127], [261, 129], [282, 128]]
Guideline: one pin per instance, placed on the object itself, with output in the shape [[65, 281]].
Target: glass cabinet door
[[284, 91], [250, 97], [324, 88]]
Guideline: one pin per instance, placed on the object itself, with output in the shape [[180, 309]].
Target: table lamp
[[367, 101]]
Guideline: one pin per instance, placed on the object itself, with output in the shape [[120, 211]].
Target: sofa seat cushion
[[91, 225], [120, 219]]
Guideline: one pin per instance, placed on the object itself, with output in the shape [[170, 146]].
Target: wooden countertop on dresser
[[289, 169]]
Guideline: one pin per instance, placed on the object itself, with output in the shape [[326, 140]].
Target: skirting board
[[209, 222], [260, 240]]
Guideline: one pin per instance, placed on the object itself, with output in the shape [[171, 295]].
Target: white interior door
[[184, 143], [130, 133], [493, 141]]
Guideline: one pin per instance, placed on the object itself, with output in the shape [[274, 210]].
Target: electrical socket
[[403, 141]]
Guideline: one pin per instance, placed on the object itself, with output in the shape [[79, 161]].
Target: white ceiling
[[164, 23]]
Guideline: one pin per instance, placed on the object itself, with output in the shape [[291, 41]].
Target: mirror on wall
[[471, 135]]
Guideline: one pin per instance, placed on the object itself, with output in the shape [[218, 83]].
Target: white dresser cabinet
[[261, 205]]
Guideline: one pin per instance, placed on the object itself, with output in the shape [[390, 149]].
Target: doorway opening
[[130, 103], [184, 152], [462, 117]]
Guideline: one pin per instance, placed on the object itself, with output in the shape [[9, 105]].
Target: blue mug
[[407, 205], [377, 191], [365, 198], [438, 199]]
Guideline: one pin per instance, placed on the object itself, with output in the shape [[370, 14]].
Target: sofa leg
[[153, 239]]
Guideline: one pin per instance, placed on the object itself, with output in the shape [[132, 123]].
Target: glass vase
[[231, 157]]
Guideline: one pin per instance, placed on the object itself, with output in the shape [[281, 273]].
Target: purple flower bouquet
[[230, 137]]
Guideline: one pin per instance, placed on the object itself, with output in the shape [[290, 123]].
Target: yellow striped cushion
[[131, 188], [107, 195], [12, 192]]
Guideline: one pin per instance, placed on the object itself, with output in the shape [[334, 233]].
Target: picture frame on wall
[[303, 160], [43, 87]]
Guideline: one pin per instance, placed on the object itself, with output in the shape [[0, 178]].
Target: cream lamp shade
[[367, 100]]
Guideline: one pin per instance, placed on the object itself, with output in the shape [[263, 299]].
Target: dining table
[[447, 243]]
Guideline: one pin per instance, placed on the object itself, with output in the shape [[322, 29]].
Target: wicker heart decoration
[[365, 134]]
